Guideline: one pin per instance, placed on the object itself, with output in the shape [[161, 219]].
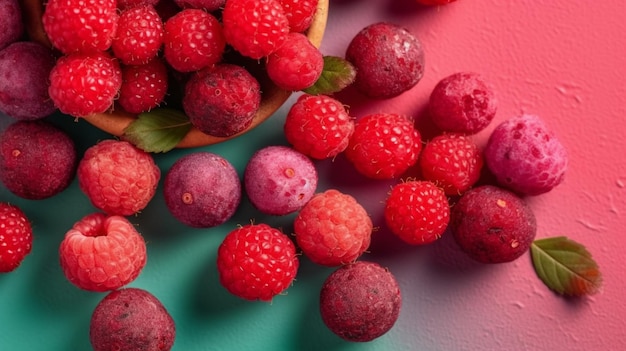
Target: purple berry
[[11, 24], [279, 180], [202, 190], [526, 156]]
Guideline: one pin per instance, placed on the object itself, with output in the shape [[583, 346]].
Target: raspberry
[[296, 65], [452, 161], [131, 319], [222, 100], [299, 13], [139, 35], [101, 253], [526, 156], [389, 60], [84, 84], [16, 237], [333, 228], [143, 86], [207, 5], [86, 26], [11, 24], [360, 301], [434, 2], [127, 4], [193, 40], [255, 28], [384, 145], [256, 262], [492, 225], [37, 160], [279, 180], [318, 126], [117, 177], [417, 212], [202, 190], [463, 103]]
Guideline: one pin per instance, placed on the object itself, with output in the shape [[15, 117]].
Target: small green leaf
[[338, 73], [565, 266], [159, 130]]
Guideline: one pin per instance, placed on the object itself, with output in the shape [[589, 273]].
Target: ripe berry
[[384, 145], [139, 35], [207, 5], [143, 86], [318, 126], [300, 13], [417, 212], [296, 65], [193, 40], [16, 237], [333, 228], [102, 253], [256, 262], [118, 178], [11, 22], [255, 28], [452, 161], [84, 84], [526, 156]]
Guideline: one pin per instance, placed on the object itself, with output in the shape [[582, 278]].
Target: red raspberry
[[452, 161], [255, 28], [207, 5], [80, 25], [16, 237], [143, 86], [318, 126], [117, 177], [84, 84], [300, 13], [139, 35], [256, 262], [127, 4], [417, 212], [222, 100], [193, 40], [384, 145], [434, 2], [296, 65], [333, 229], [102, 253]]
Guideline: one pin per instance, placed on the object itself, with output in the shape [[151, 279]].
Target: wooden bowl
[[115, 122]]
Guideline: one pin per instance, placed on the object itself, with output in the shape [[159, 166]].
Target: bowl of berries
[[177, 73]]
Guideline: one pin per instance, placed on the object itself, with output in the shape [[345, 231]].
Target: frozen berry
[[144, 87], [279, 180], [526, 156], [11, 24], [452, 161], [463, 103], [318, 126], [16, 237], [389, 60], [296, 65], [492, 225], [417, 212], [102, 253], [139, 35], [118, 177], [360, 302], [202, 190], [25, 68], [131, 319], [384, 145], [37, 159], [333, 228], [256, 262]]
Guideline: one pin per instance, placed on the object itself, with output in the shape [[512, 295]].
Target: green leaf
[[159, 130], [565, 266], [338, 73]]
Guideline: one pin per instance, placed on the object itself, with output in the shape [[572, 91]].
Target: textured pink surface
[[562, 60]]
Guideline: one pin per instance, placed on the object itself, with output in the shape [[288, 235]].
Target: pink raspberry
[[384, 145], [139, 35], [143, 86], [255, 28], [300, 13], [193, 40], [296, 65], [333, 228], [256, 262], [318, 126], [117, 177], [102, 253], [526, 156]]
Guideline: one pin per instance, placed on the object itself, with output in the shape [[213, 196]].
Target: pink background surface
[[564, 61]]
